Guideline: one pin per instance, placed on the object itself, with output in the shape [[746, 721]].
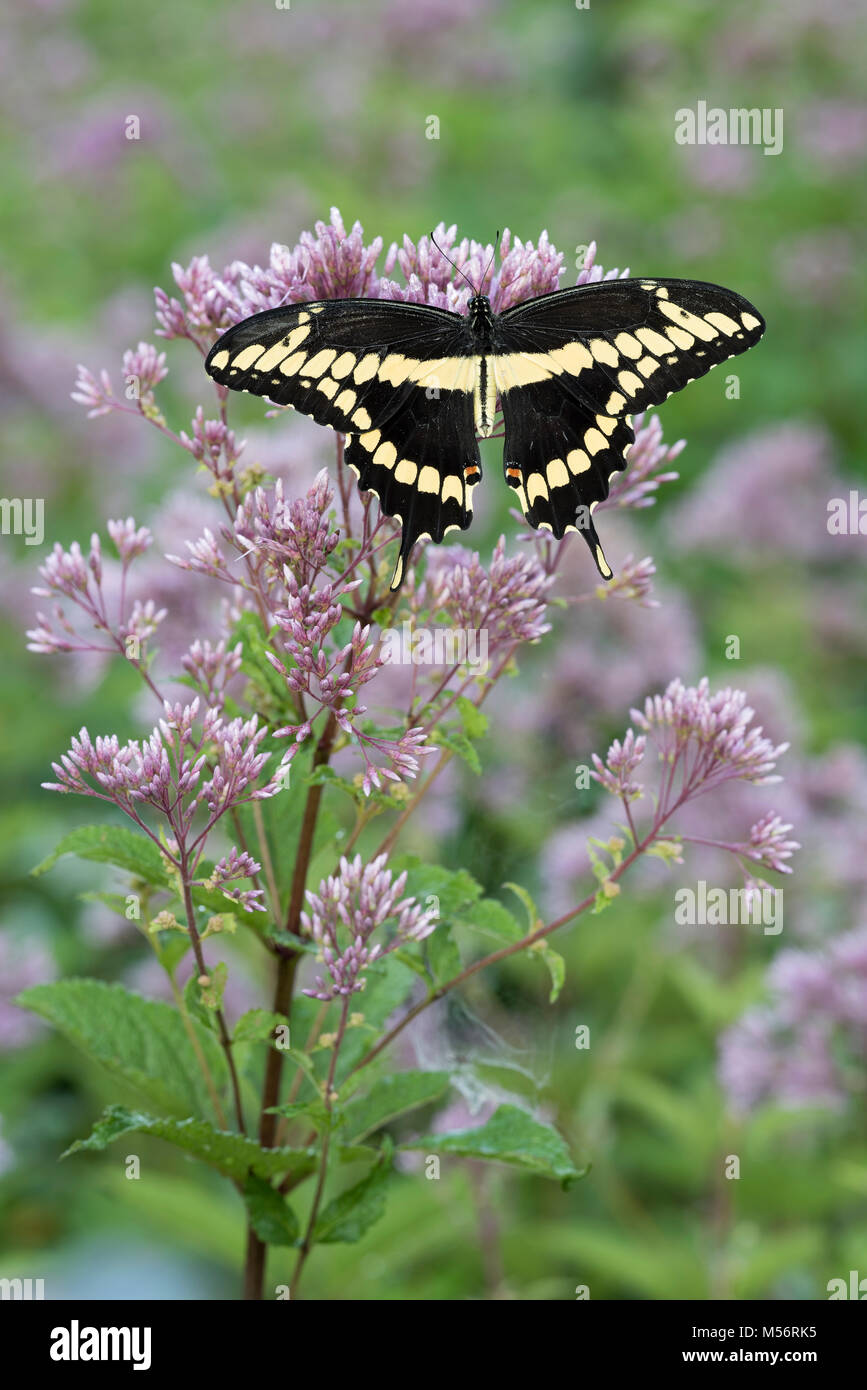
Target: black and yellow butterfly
[[412, 387]]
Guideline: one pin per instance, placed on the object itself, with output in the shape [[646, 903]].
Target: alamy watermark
[[439, 646], [730, 907], [737, 126], [23, 516]]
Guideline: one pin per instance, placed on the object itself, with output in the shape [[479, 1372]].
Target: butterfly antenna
[[491, 261], [452, 264]]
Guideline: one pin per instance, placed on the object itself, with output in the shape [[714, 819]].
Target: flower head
[[350, 908]]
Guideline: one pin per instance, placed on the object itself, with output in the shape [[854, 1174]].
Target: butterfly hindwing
[[396, 378], [559, 461], [573, 366], [423, 474]]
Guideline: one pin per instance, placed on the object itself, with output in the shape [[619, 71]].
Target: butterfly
[[413, 388]]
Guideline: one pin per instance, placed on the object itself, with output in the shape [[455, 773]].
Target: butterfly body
[[413, 387]]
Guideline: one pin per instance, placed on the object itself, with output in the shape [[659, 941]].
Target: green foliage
[[140, 1041], [348, 1217], [233, 1155], [510, 1136], [270, 1214], [112, 844], [390, 1097]]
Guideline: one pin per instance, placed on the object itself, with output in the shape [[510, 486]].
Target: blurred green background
[[254, 122]]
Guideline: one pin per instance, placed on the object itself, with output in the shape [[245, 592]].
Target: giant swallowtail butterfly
[[414, 387]]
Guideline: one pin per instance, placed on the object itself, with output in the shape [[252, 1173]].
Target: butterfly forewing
[[572, 368], [396, 378]]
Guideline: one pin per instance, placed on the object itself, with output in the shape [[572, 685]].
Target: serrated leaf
[[142, 1041], [349, 1216], [231, 1154], [509, 1136], [391, 1096], [111, 844], [270, 1214]]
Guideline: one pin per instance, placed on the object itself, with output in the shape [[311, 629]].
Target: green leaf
[[112, 844], [444, 958], [453, 889], [490, 917], [392, 1096], [195, 1004], [313, 1110], [475, 723], [257, 1025], [351, 1214], [142, 1041], [231, 1154], [509, 1136], [270, 1214], [533, 918], [556, 967], [457, 742]]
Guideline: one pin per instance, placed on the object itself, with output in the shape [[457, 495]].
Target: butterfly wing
[[396, 378], [572, 367]]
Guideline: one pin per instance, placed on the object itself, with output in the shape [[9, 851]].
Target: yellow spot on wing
[[629, 346], [723, 322], [572, 358], [280, 350], [557, 474], [220, 360], [369, 441], [594, 441], [406, 471], [344, 364], [647, 366], [248, 355], [345, 401], [577, 460], [318, 363], [697, 326], [428, 480], [385, 455], [366, 368], [536, 487], [517, 369], [395, 369], [361, 419], [653, 341], [327, 387], [452, 488], [630, 382], [446, 373], [290, 365], [681, 340], [750, 321], [604, 352]]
